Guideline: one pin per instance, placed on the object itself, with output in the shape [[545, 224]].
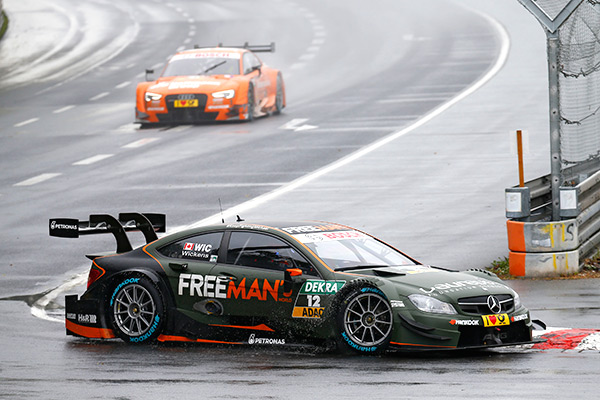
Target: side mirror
[[148, 73], [288, 283]]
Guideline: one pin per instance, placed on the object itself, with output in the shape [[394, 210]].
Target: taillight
[[95, 273]]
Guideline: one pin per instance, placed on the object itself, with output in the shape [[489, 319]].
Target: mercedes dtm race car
[[208, 84], [283, 283]]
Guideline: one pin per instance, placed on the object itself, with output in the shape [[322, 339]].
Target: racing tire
[[251, 105], [364, 321], [278, 97], [136, 309]]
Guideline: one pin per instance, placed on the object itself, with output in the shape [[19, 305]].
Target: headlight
[[224, 94], [149, 96], [431, 305], [517, 301]]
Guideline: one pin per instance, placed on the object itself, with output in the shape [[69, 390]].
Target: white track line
[[37, 179], [265, 198], [92, 160]]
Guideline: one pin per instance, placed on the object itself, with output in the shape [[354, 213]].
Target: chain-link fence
[[579, 84]]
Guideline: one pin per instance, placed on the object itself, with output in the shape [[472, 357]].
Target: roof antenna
[[239, 219], [221, 208]]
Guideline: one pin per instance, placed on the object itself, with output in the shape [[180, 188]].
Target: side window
[[263, 251], [250, 61], [203, 247]]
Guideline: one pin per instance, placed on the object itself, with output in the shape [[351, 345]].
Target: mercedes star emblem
[[494, 304]]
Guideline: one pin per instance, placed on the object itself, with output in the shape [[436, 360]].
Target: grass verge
[[590, 269]]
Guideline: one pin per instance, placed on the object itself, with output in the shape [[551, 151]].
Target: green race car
[[283, 283]]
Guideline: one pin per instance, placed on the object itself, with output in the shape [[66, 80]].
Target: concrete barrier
[[542, 249]]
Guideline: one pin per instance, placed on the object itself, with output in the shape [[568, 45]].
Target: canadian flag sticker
[[188, 246]]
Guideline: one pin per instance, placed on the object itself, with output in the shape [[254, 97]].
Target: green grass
[[500, 267]]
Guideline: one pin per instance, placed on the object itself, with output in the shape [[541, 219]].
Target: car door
[[188, 266], [259, 268]]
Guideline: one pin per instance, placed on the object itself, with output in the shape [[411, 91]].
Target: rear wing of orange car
[[259, 48], [148, 224]]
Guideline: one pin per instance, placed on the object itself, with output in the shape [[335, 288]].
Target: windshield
[[347, 249], [202, 64]]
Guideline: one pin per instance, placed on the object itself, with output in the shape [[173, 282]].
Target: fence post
[[554, 93]]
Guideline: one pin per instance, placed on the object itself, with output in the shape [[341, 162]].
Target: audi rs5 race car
[[208, 84], [283, 283]]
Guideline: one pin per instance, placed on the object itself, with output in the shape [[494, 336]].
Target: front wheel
[[137, 310], [364, 320], [250, 106]]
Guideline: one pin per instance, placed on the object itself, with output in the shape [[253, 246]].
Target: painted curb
[[568, 339]]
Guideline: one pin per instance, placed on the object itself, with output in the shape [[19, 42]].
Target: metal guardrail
[[579, 202]]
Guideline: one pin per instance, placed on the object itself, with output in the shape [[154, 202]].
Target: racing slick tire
[[364, 320], [278, 97], [136, 310], [251, 100]]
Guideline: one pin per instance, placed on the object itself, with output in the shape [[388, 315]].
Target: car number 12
[[314, 300]]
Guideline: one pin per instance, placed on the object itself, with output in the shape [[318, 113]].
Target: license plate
[[186, 103], [495, 320]]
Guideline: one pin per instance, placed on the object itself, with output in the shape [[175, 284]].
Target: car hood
[[192, 84], [439, 283]]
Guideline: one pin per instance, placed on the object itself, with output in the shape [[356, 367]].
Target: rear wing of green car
[[148, 224]]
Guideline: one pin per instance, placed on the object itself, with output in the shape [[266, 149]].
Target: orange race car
[[211, 84]]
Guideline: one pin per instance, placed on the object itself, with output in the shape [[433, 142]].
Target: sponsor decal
[[495, 320], [313, 228], [308, 312], [372, 290], [156, 109], [147, 334], [191, 84], [212, 286], [185, 103], [321, 287], [256, 340], [329, 236], [71, 316], [221, 107], [87, 318], [465, 322], [518, 318], [397, 304], [248, 226], [308, 302], [357, 347], [207, 54], [460, 285], [159, 85], [125, 282], [57, 225], [197, 250]]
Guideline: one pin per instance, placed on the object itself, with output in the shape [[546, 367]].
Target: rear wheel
[[137, 310], [279, 96], [365, 320]]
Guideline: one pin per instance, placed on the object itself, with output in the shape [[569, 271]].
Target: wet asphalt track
[[355, 72]]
